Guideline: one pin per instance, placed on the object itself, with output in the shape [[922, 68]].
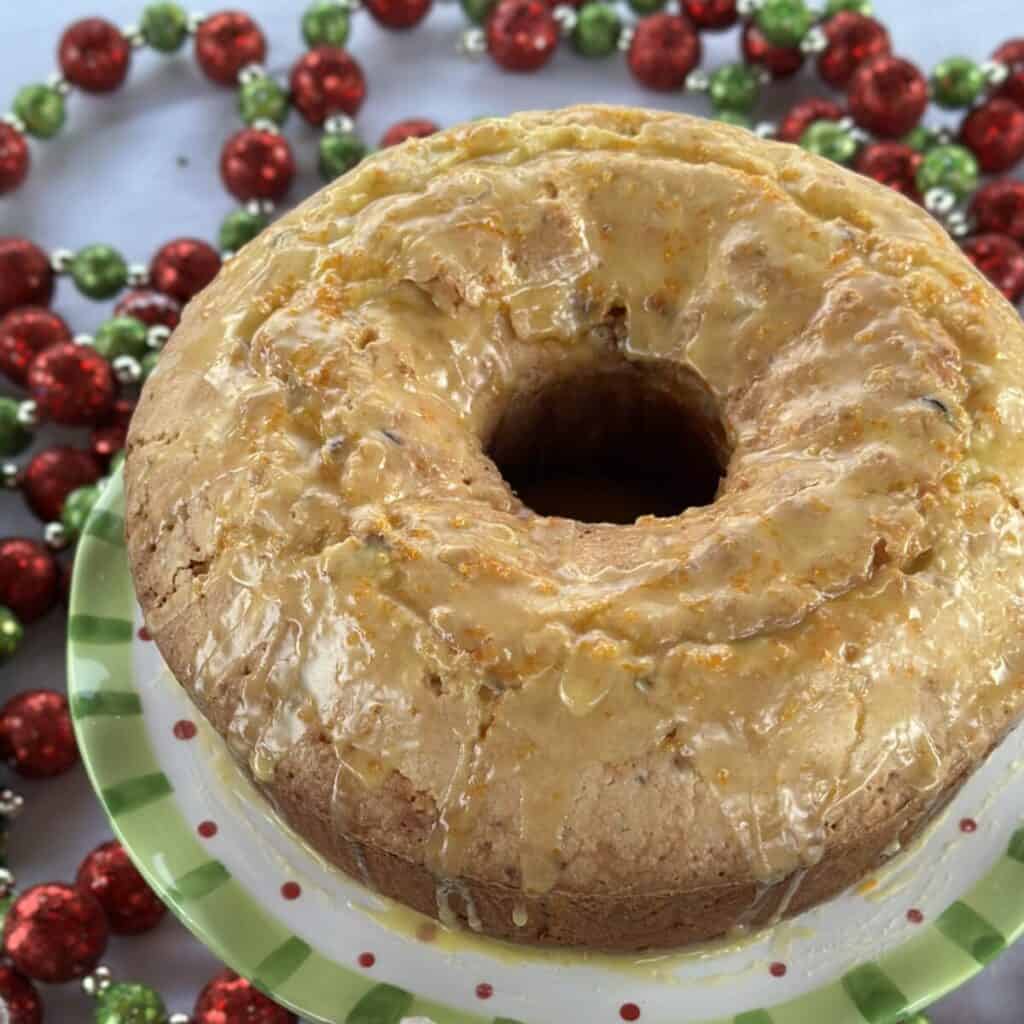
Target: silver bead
[[226, 255], [847, 123], [28, 413], [339, 124], [156, 337], [61, 260], [260, 206], [762, 74], [11, 803], [944, 137], [697, 81], [250, 73], [626, 38], [351, 5], [859, 136], [765, 129], [814, 41], [995, 72], [14, 121], [566, 18], [472, 42], [97, 982], [179, 1018], [138, 275], [136, 40], [195, 19], [85, 340], [55, 535], [127, 369], [9, 475], [6, 882], [264, 124], [959, 224], [747, 8], [939, 201], [59, 83]]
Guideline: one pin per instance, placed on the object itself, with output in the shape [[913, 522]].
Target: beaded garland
[[871, 120]]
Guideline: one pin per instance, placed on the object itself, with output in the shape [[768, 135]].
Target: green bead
[[121, 336], [6, 902], [951, 167], [921, 138], [325, 22], [14, 438], [957, 82], [339, 153], [239, 227], [784, 22], [478, 10], [148, 365], [117, 461], [864, 7], [99, 271], [830, 139], [128, 1003], [262, 99], [164, 27], [643, 7], [734, 87], [736, 117], [11, 632], [77, 506], [41, 107], [597, 30]]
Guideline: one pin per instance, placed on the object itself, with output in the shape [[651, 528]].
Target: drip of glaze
[[792, 885], [445, 914], [360, 859], [519, 916]]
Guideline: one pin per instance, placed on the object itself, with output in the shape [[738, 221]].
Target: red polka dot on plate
[[144, 633], [367, 959], [184, 729], [484, 990], [914, 916], [777, 970], [207, 829], [291, 890], [968, 825], [629, 1011]]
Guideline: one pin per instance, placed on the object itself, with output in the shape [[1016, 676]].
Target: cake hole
[[612, 444]]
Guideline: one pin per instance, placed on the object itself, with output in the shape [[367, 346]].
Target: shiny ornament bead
[[834, 7], [37, 740], [19, 997], [257, 165], [327, 80], [892, 163], [130, 905], [712, 15], [71, 384], [29, 579], [164, 27], [52, 475], [14, 158], [106, 442], [887, 96], [412, 128], [398, 13], [994, 133], [957, 82], [597, 30], [153, 308], [1011, 53], [733, 87], [11, 633], [521, 34], [228, 997], [999, 207], [225, 43], [41, 110], [778, 61], [121, 335], [326, 23], [477, 11], [14, 438], [803, 114], [129, 1003], [665, 49], [241, 226], [830, 139], [645, 7], [26, 278], [184, 267], [94, 55], [99, 271], [262, 99], [1001, 260], [54, 933], [953, 168], [922, 138], [784, 22], [78, 506], [852, 39]]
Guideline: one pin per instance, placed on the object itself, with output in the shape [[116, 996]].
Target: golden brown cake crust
[[577, 733]]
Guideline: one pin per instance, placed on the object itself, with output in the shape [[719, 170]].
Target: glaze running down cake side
[[589, 733]]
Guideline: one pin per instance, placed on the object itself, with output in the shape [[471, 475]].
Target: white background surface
[[116, 175]]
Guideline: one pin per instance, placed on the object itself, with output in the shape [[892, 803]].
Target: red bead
[[994, 133], [24, 333], [398, 13], [893, 164], [25, 275], [72, 384], [413, 128], [887, 96], [184, 267], [778, 61], [55, 933], [803, 114], [151, 307], [52, 475], [120, 414], [19, 996], [257, 165], [327, 80], [665, 49], [130, 905], [36, 735], [999, 206], [1011, 53], [94, 55], [226, 42], [521, 34], [14, 158], [29, 580], [106, 442], [852, 39], [712, 14], [1001, 260], [229, 999]]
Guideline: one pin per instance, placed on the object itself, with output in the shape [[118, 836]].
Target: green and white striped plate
[[326, 947]]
